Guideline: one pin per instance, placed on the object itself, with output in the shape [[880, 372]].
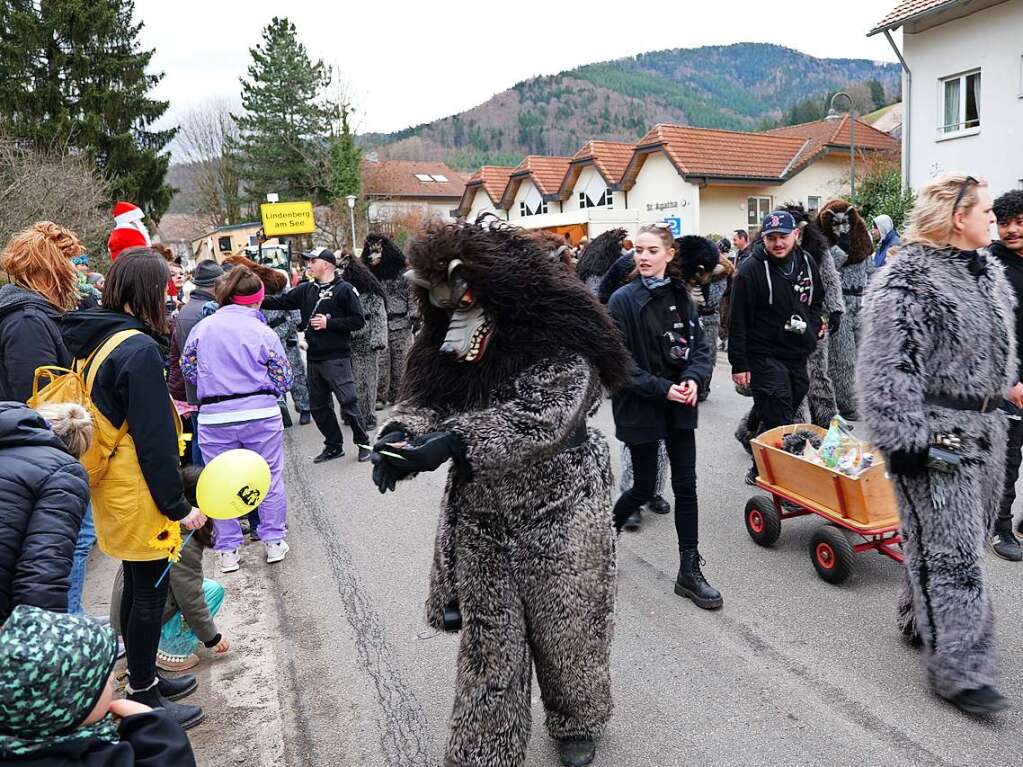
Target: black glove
[[834, 320], [386, 475], [426, 453], [907, 463]]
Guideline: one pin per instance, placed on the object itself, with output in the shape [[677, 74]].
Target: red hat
[[123, 238]]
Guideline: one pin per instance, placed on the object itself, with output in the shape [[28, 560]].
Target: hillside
[[744, 86]]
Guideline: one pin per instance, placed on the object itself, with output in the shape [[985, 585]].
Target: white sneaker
[[275, 550], [230, 561]]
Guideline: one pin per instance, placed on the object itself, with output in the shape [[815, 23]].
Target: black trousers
[[142, 604], [681, 447], [778, 386], [1013, 458], [334, 378]]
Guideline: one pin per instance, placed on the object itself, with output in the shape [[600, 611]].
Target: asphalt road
[[792, 671]]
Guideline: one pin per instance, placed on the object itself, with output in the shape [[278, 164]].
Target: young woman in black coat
[[673, 362]]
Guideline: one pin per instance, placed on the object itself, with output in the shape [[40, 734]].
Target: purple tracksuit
[[239, 369]]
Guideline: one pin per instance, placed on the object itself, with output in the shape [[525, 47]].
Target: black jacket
[[1013, 263], [763, 301], [339, 301], [642, 411], [44, 492], [130, 386], [151, 739], [615, 277], [29, 338]]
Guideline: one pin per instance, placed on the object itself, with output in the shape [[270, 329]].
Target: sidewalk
[[239, 690]]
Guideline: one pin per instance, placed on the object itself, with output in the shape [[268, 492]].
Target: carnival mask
[[469, 329], [840, 222], [376, 254]]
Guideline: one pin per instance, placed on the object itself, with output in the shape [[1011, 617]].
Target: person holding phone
[[672, 358]]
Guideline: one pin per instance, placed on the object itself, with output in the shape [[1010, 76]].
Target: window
[[424, 177], [525, 210], [960, 103], [606, 200], [813, 204], [439, 178], [224, 244], [756, 209]]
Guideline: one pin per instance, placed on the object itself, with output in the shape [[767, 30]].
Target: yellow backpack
[[75, 385]]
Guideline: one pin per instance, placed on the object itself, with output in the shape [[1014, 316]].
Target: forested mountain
[[745, 86]]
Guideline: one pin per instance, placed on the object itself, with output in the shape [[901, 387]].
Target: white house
[[962, 88], [400, 188], [483, 193]]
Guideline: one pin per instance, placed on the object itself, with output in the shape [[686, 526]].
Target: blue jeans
[[83, 546]]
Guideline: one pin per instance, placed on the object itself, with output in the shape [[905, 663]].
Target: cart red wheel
[[832, 554], [763, 523]]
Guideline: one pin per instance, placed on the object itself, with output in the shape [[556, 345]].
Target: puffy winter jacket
[[43, 494], [29, 338]]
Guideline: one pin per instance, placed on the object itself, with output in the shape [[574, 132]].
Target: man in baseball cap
[[322, 254], [775, 320]]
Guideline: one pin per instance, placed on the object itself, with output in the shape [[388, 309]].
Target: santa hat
[[129, 231]]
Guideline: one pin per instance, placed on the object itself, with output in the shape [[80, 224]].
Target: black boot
[[184, 715], [983, 700], [576, 752], [633, 521], [305, 418], [176, 687], [691, 583], [659, 506]]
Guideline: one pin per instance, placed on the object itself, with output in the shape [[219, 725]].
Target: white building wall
[[589, 181], [481, 203], [992, 40], [385, 210], [660, 193], [529, 194]]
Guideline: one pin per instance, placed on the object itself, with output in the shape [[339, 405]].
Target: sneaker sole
[[230, 569], [317, 459], [275, 560], [706, 604], [981, 710]]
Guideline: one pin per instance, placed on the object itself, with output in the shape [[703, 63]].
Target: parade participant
[[240, 369], [883, 233], [599, 256], [43, 284], [1008, 210], [852, 253], [58, 710], [387, 263], [513, 356], [942, 355], [672, 363], [44, 492], [129, 231], [369, 342], [140, 493], [777, 298], [330, 311], [712, 292]]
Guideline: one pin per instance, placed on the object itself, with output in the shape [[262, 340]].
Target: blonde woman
[[43, 284], [937, 356]]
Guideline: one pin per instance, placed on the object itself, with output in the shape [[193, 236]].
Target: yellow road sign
[[283, 218]]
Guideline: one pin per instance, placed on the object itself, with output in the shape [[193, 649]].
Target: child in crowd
[[56, 699], [192, 600]]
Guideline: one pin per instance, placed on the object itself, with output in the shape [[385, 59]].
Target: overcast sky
[[413, 62]]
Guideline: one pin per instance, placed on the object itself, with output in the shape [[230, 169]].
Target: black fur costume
[[525, 542], [369, 343], [598, 256], [389, 272]]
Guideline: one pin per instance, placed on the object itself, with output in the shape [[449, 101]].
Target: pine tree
[[75, 76], [285, 117], [877, 93], [346, 159]]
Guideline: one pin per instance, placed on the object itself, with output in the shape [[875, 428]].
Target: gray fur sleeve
[[839, 256], [536, 416], [833, 300], [892, 369], [377, 322], [416, 421]]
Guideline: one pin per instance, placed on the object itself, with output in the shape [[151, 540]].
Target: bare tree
[[204, 140], [58, 185]]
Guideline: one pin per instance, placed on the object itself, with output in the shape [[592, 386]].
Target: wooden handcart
[[861, 512]]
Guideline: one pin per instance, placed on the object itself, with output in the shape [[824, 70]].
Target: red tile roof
[[546, 173], [397, 178], [609, 157], [492, 179], [836, 133], [907, 9]]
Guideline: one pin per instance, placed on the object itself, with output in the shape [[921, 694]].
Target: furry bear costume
[[941, 325], [598, 256], [852, 252], [525, 544], [387, 263], [369, 343]]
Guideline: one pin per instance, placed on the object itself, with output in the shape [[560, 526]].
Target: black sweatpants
[[1013, 458], [142, 604], [681, 447], [334, 378], [778, 386]]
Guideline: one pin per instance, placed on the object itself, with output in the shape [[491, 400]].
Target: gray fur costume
[[819, 406], [368, 344], [399, 338], [936, 329], [285, 324]]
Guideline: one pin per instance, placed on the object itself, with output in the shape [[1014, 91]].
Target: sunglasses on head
[[963, 189]]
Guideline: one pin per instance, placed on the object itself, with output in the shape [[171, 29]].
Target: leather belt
[[970, 404], [226, 397]]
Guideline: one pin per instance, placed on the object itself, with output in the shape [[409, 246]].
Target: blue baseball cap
[[778, 221]]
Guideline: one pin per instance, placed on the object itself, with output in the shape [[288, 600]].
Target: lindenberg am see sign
[[284, 218]]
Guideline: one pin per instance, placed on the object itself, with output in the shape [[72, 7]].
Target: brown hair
[[660, 231], [71, 422], [240, 281], [39, 259], [931, 219], [138, 281]]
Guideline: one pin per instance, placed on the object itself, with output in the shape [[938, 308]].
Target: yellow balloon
[[233, 484]]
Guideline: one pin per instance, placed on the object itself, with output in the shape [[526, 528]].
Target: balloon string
[[171, 562]]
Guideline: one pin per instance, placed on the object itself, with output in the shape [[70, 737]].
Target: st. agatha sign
[[284, 218]]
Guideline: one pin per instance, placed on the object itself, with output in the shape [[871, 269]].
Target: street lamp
[[351, 208], [834, 114]]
